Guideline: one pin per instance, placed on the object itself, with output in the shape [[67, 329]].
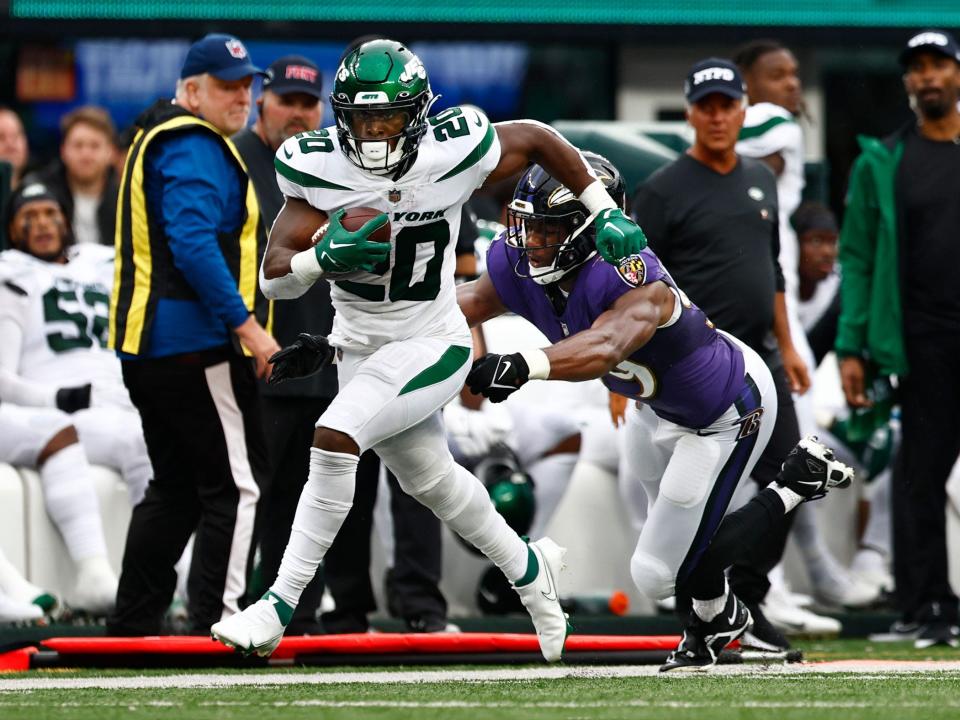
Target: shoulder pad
[[311, 159], [463, 135], [761, 112]]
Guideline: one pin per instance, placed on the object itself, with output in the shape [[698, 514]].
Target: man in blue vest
[[182, 318]]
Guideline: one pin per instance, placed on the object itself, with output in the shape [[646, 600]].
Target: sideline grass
[[868, 695]]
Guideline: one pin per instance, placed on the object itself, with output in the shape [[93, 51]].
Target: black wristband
[[71, 399]]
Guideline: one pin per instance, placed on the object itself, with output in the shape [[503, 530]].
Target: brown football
[[355, 218], [303, 223]]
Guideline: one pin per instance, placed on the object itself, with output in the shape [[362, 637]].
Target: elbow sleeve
[[288, 287]]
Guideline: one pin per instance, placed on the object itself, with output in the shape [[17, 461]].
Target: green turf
[[927, 695]]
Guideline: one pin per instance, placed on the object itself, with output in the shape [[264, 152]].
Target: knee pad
[[420, 470], [652, 576], [691, 471]]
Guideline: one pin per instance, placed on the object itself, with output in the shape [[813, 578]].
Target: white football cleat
[[257, 629], [542, 599], [14, 611], [792, 620]]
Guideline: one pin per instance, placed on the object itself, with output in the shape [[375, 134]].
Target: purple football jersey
[[687, 372]]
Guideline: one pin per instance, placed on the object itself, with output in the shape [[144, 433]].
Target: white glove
[[471, 433]]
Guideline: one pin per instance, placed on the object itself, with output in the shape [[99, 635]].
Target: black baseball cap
[[25, 194], [937, 41], [223, 56], [713, 75], [294, 73]]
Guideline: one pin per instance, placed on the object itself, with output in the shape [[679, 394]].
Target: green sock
[[533, 567], [284, 611]]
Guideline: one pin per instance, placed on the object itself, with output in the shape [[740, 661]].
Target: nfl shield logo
[[236, 49], [393, 196]]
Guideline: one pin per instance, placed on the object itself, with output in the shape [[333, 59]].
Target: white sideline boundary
[[862, 669]]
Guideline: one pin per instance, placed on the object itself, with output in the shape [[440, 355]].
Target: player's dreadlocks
[[746, 55]]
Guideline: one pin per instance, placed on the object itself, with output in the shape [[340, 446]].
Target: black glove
[[308, 354], [71, 399], [498, 376]]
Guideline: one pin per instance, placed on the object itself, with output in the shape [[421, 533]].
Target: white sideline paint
[[863, 669]]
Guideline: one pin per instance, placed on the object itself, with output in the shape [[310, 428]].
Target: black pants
[[289, 426], [412, 584], [195, 409], [930, 405], [748, 576]]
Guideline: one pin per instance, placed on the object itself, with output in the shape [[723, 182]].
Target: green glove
[[340, 250], [618, 236]]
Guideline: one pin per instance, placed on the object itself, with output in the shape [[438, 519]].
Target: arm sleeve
[[13, 388], [194, 172]]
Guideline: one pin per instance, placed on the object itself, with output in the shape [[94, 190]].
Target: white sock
[[789, 497], [460, 500], [707, 610], [551, 475], [324, 503], [72, 502]]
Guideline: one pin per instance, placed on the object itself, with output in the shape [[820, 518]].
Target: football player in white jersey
[[44, 438], [771, 133], [401, 343], [54, 298]]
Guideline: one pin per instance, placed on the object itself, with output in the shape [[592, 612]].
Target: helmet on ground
[[543, 208], [381, 79]]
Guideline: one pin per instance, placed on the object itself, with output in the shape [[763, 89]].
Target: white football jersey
[[61, 312], [769, 129], [414, 295]]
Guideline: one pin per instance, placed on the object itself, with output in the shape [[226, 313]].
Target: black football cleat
[[811, 469], [702, 641]]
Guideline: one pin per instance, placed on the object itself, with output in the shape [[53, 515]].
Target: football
[[355, 218], [305, 224]]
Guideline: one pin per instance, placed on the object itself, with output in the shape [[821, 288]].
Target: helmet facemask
[[553, 245], [545, 216]]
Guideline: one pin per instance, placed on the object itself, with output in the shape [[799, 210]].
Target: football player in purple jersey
[[712, 398]]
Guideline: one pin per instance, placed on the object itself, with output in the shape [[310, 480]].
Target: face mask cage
[[375, 155], [557, 237]]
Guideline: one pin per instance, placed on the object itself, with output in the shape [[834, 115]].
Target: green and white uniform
[[404, 344], [53, 334], [414, 296]]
